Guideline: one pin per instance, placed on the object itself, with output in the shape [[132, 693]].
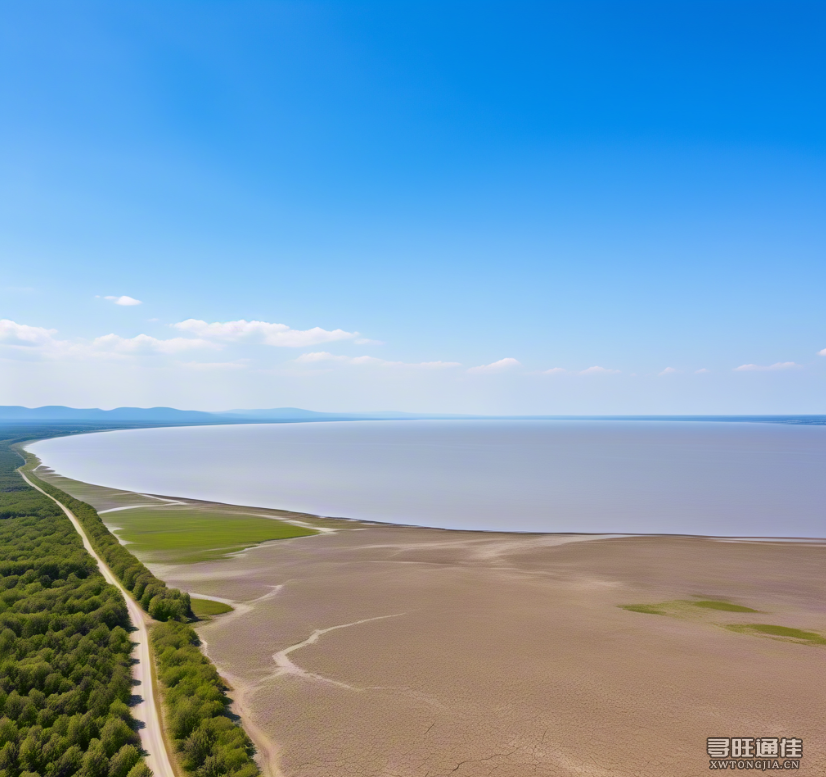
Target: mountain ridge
[[171, 415]]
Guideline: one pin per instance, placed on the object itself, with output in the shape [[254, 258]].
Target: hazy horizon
[[57, 412]]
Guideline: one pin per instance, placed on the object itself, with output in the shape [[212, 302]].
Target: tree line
[[161, 602], [209, 743]]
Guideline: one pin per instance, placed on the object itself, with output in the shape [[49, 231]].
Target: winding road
[[147, 711]]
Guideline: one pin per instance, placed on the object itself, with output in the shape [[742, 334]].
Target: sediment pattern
[[404, 652]]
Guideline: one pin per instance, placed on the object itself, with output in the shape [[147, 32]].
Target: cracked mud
[[381, 651]]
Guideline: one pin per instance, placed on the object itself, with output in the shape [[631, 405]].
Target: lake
[[710, 478]]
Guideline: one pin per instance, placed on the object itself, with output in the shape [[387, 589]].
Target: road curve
[[147, 710]]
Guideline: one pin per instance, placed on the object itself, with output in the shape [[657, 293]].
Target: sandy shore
[[393, 651], [388, 651]]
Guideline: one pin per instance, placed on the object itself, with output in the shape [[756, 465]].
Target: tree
[[140, 770], [114, 735], [123, 761], [95, 763]]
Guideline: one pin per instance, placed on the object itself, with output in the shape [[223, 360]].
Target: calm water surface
[[736, 479]]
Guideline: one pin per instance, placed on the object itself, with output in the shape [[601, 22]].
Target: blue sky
[[414, 191]]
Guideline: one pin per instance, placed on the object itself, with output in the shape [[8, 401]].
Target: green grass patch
[[187, 535], [682, 608], [711, 604], [782, 632], [206, 609], [648, 609]]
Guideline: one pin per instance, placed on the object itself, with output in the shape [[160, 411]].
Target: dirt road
[[147, 710]]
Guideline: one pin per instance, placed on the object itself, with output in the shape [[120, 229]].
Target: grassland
[[685, 607], [779, 632], [711, 604], [184, 531], [185, 534], [207, 609]]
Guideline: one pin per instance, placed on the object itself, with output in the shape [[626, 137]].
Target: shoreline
[[722, 483], [364, 522]]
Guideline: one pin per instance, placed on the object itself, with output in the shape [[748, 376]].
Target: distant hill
[[140, 414], [170, 415]]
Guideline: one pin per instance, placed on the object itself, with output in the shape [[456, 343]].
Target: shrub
[[210, 744]]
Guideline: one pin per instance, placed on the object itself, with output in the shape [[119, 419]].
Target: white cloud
[[146, 344], [669, 371], [438, 365], [324, 357], [35, 342], [124, 300], [23, 335], [822, 353], [590, 371], [500, 366], [39, 342], [767, 367], [239, 364], [701, 371], [271, 334], [319, 356]]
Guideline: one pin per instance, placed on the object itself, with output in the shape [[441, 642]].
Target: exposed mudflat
[[382, 651]]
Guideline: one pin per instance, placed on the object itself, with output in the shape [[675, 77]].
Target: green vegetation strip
[[782, 632], [682, 605], [648, 609], [206, 609], [80, 730], [681, 608], [724, 606], [65, 677], [187, 534]]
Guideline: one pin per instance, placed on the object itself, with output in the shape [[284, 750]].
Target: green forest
[[65, 679]]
